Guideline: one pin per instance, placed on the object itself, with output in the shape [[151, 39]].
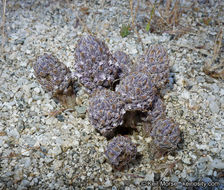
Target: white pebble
[[214, 107], [218, 164]]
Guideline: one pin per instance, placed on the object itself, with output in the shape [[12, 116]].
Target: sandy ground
[[39, 151]]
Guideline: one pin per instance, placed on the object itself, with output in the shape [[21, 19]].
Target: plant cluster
[[119, 92]]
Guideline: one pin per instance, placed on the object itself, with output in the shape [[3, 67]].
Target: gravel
[[39, 150]]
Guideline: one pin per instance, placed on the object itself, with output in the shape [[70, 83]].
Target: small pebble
[[80, 109], [214, 107]]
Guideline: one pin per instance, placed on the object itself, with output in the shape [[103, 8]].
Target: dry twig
[[216, 71], [85, 28], [133, 17], [3, 25]]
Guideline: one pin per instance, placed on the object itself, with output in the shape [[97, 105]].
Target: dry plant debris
[[215, 66], [166, 18]]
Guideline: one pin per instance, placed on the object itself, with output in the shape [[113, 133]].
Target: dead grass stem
[[133, 18], [168, 18], [3, 25], [85, 28], [216, 70]]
